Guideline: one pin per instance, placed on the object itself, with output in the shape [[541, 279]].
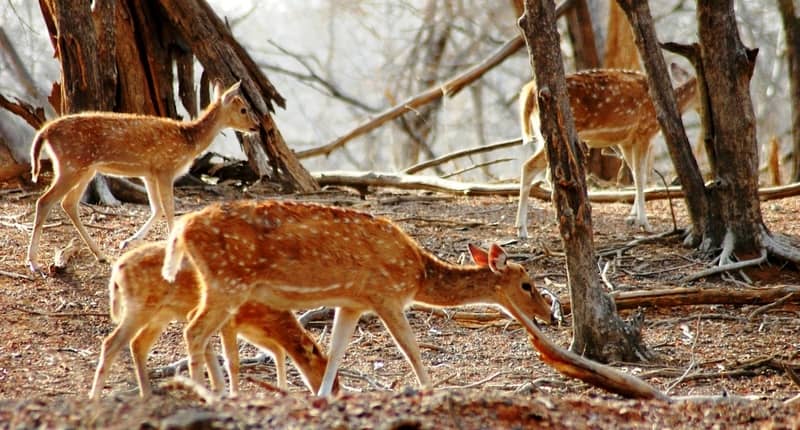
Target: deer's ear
[[216, 90], [479, 255], [497, 258], [231, 92]]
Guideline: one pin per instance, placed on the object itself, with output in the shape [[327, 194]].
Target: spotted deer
[[153, 148], [301, 255], [610, 107], [142, 302]]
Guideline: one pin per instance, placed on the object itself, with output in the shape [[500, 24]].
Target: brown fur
[[298, 255], [153, 148], [143, 303]]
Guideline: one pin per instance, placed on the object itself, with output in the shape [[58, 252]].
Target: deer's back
[[609, 106], [115, 141], [138, 277], [296, 255]]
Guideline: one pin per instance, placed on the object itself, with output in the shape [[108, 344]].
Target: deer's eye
[[527, 286], [244, 110]]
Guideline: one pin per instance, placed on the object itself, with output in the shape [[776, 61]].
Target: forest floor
[[724, 369]]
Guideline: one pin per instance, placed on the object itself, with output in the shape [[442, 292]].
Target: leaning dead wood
[[591, 372], [414, 182], [699, 296], [34, 116], [433, 183], [430, 95], [449, 88], [223, 57]]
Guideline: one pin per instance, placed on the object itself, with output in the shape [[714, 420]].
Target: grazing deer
[[299, 255], [610, 107], [154, 148], [142, 302]]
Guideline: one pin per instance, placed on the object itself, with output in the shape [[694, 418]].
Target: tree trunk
[[668, 116], [728, 67], [791, 30], [75, 42], [727, 213], [598, 332]]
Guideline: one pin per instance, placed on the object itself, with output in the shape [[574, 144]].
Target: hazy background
[[369, 51]]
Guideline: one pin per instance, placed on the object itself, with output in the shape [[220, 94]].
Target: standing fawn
[[294, 255], [154, 148], [142, 302], [610, 107]]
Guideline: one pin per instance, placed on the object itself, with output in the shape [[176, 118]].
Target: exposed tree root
[[728, 266], [781, 246]]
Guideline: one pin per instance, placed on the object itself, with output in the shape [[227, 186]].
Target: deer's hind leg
[[529, 170], [208, 318], [344, 324], [132, 321], [636, 155], [63, 182], [70, 205]]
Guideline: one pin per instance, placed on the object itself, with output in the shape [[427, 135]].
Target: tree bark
[[668, 116], [75, 43], [791, 30], [598, 332], [728, 67]]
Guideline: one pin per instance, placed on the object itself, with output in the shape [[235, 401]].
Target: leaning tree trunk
[[727, 213], [668, 116], [598, 331], [791, 30]]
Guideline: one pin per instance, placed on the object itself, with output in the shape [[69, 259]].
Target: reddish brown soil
[[486, 373]]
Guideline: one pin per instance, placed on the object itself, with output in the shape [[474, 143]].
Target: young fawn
[[154, 148], [143, 303], [298, 255], [610, 107]]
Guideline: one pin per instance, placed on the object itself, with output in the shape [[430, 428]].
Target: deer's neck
[[200, 132], [686, 94], [447, 284]]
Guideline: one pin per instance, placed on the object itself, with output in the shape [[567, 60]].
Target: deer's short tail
[[173, 254], [36, 153], [114, 300]]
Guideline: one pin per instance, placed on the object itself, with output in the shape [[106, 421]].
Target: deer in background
[[142, 303], [299, 255], [610, 107], [156, 149]]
